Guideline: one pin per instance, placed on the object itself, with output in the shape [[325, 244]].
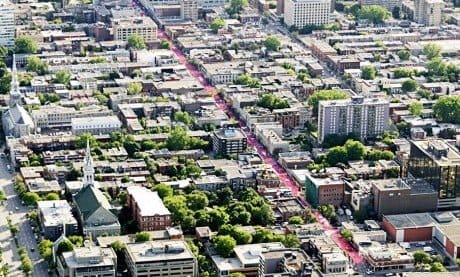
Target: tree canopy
[[164, 44], [245, 79], [374, 13], [224, 245], [431, 51], [136, 41], [323, 95], [62, 76], [272, 43], [216, 24], [409, 85], [25, 45], [271, 101], [447, 109], [368, 72], [416, 108], [35, 64]]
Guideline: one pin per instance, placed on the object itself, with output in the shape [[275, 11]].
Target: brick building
[[148, 209]]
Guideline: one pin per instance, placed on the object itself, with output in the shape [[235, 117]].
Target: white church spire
[[15, 94], [88, 168]]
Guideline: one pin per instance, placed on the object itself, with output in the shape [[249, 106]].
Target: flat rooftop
[[148, 202], [439, 150], [154, 251], [416, 220]]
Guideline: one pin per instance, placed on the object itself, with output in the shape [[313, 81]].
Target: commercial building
[[189, 9], [303, 12], [229, 141], [321, 190], [148, 209], [437, 162], [88, 261], [143, 26], [387, 257], [441, 227], [428, 12], [285, 262], [363, 117], [95, 125], [334, 263], [399, 196], [55, 216], [7, 29], [160, 258]]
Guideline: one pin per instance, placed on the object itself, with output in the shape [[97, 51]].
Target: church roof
[[19, 115], [89, 199]]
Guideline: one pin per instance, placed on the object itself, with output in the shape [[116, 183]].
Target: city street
[[268, 159], [14, 210]]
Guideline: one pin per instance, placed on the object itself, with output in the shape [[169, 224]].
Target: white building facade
[[307, 12]]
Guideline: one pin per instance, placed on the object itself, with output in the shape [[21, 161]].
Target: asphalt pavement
[[287, 180], [13, 209]]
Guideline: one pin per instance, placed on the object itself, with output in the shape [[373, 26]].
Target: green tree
[[216, 24], [30, 198], [134, 88], [118, 246], [262, 215], [409, 85], [272, 43], [402, 73], [437, 267], [403, 55], [52, 196], [271, 101], [164, 44], [236, 274], [77, 241], [183, 117], [346, 234], [323, 95], [355, 150], [431, 51], [337, 154], [296, 220], [163, 190], [142, 236], [375, 155], [217, 218], [35, 64], [65, 246], [136, 41], [436, 67], [420, 257], [62, 77], [197, 200], [25, 45], [237, 5], [45, 248], [83, 138], [224, 245], [291, 241], [447, 109], [416, 108], [368, 72], [374, 13], [245, 79]]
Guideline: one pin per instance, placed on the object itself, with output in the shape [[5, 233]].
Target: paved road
[[268, 159], [14, 210]]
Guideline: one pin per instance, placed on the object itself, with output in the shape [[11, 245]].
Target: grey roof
[[417, 220], [19, 115], [89, 199]]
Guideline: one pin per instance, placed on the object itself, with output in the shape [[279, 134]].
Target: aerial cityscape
[[215, 138]]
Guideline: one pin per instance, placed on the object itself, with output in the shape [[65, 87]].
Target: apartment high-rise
[[428, 12], [189, 9], [363, 117], [304, 12], [143, 26], [7, 30]]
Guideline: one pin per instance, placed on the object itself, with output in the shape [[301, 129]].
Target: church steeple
[[88, 168], [15, 94]]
